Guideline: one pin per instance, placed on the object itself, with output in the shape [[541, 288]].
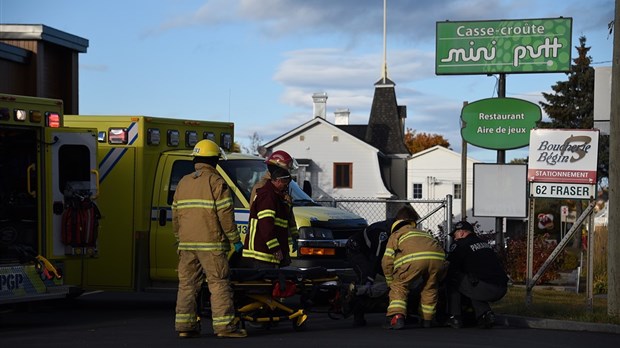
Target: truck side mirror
[[307, 188]]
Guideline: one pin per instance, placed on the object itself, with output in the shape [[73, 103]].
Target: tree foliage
[[255, 143], [417, 142], [572, 103]]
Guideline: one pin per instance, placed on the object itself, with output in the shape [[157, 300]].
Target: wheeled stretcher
[[263, 297]]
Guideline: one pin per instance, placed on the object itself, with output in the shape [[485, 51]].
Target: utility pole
[[501, 159], [463, 175], [613, 239]]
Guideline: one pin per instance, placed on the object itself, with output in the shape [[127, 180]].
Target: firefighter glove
[[238, 246], [278, 255]]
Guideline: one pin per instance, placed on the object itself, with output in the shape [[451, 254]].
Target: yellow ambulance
[[43, 165], [140, 161]]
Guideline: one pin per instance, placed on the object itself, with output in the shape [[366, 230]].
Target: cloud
[[316, 67], [337, 49], [350, 19]]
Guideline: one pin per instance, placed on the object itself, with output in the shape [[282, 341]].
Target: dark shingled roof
[[384, 130], [356, 130]]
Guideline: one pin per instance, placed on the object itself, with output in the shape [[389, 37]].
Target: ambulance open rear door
[[72, 177]]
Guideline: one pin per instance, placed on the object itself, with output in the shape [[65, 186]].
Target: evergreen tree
[[572, 103]]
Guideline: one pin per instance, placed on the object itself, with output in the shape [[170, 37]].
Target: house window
[[343, 173], [457, 191], [417, 191]]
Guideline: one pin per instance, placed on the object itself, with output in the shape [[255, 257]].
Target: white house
[[352, 161], [336, 163], [434, 173]]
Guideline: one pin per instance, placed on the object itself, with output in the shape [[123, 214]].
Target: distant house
[[434, 173], [352, 161], [40, 61]]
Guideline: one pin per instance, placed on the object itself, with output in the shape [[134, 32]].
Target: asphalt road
[[147, 320]]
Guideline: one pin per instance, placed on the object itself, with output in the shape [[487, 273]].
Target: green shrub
[[600, 284], [571, 260]]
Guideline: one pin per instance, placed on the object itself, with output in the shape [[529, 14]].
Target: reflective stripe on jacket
[[269, 225], [204, 202], [292, 225], [409, 245]]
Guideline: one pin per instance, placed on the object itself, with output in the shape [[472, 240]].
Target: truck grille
[[344, 229]]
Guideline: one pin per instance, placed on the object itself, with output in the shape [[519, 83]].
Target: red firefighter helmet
[[283, 160]]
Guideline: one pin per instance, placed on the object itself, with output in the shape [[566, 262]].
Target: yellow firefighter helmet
[[207, 148]]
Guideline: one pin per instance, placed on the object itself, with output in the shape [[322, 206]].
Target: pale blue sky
[[258, 62]]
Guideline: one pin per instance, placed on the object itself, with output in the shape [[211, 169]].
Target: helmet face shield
[[223, 155], [293, 166]]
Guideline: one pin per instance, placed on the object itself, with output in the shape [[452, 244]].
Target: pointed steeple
[[384, 73], [386, 123]]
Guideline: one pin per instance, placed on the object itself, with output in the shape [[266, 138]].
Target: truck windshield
[[246, 173], [299, 196]]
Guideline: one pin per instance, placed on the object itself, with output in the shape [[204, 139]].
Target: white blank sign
[[500, 190]]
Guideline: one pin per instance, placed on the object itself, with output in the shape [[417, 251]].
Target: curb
[[553, 324]]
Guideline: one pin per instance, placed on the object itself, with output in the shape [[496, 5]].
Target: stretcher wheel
[[299, 324]]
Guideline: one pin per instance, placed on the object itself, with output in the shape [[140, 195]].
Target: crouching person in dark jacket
[[365, 250], [476, 274]]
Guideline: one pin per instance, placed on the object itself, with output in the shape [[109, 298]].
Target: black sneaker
[[455, 322], [487, 320]]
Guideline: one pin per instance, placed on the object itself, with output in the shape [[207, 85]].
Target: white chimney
[[342, 117], [320, 101]]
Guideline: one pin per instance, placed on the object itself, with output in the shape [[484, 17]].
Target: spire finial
[[384, 74]]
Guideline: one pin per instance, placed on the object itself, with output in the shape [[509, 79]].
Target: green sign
[[499, 123], [507, 46]]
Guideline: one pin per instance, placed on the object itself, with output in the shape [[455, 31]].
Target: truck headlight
[[315, 233]]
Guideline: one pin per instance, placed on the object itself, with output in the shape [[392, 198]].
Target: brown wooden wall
[[50, 71]]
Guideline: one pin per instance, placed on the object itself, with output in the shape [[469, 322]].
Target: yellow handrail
[[96, 172], [30, 191]]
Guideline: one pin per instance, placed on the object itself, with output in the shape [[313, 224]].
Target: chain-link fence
[[435, 215]]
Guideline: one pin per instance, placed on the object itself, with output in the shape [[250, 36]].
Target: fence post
[[448, 218]]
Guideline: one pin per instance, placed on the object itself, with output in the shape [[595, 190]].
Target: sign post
[[562, 164]]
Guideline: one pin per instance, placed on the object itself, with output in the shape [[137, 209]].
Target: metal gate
[[435, 215]]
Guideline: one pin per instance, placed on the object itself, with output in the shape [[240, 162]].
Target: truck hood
[[320, 213]]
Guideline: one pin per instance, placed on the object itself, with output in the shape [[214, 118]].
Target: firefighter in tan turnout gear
[[412, 255], [204, 224]]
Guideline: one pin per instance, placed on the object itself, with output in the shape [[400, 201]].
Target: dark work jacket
[[371, 244], [477, 259], [268, 229]]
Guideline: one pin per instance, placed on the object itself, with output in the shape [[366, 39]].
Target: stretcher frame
[[256, 299]]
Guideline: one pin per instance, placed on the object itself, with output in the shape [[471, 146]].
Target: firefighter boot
[[189, 334], [239, 333], [395, 322]]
